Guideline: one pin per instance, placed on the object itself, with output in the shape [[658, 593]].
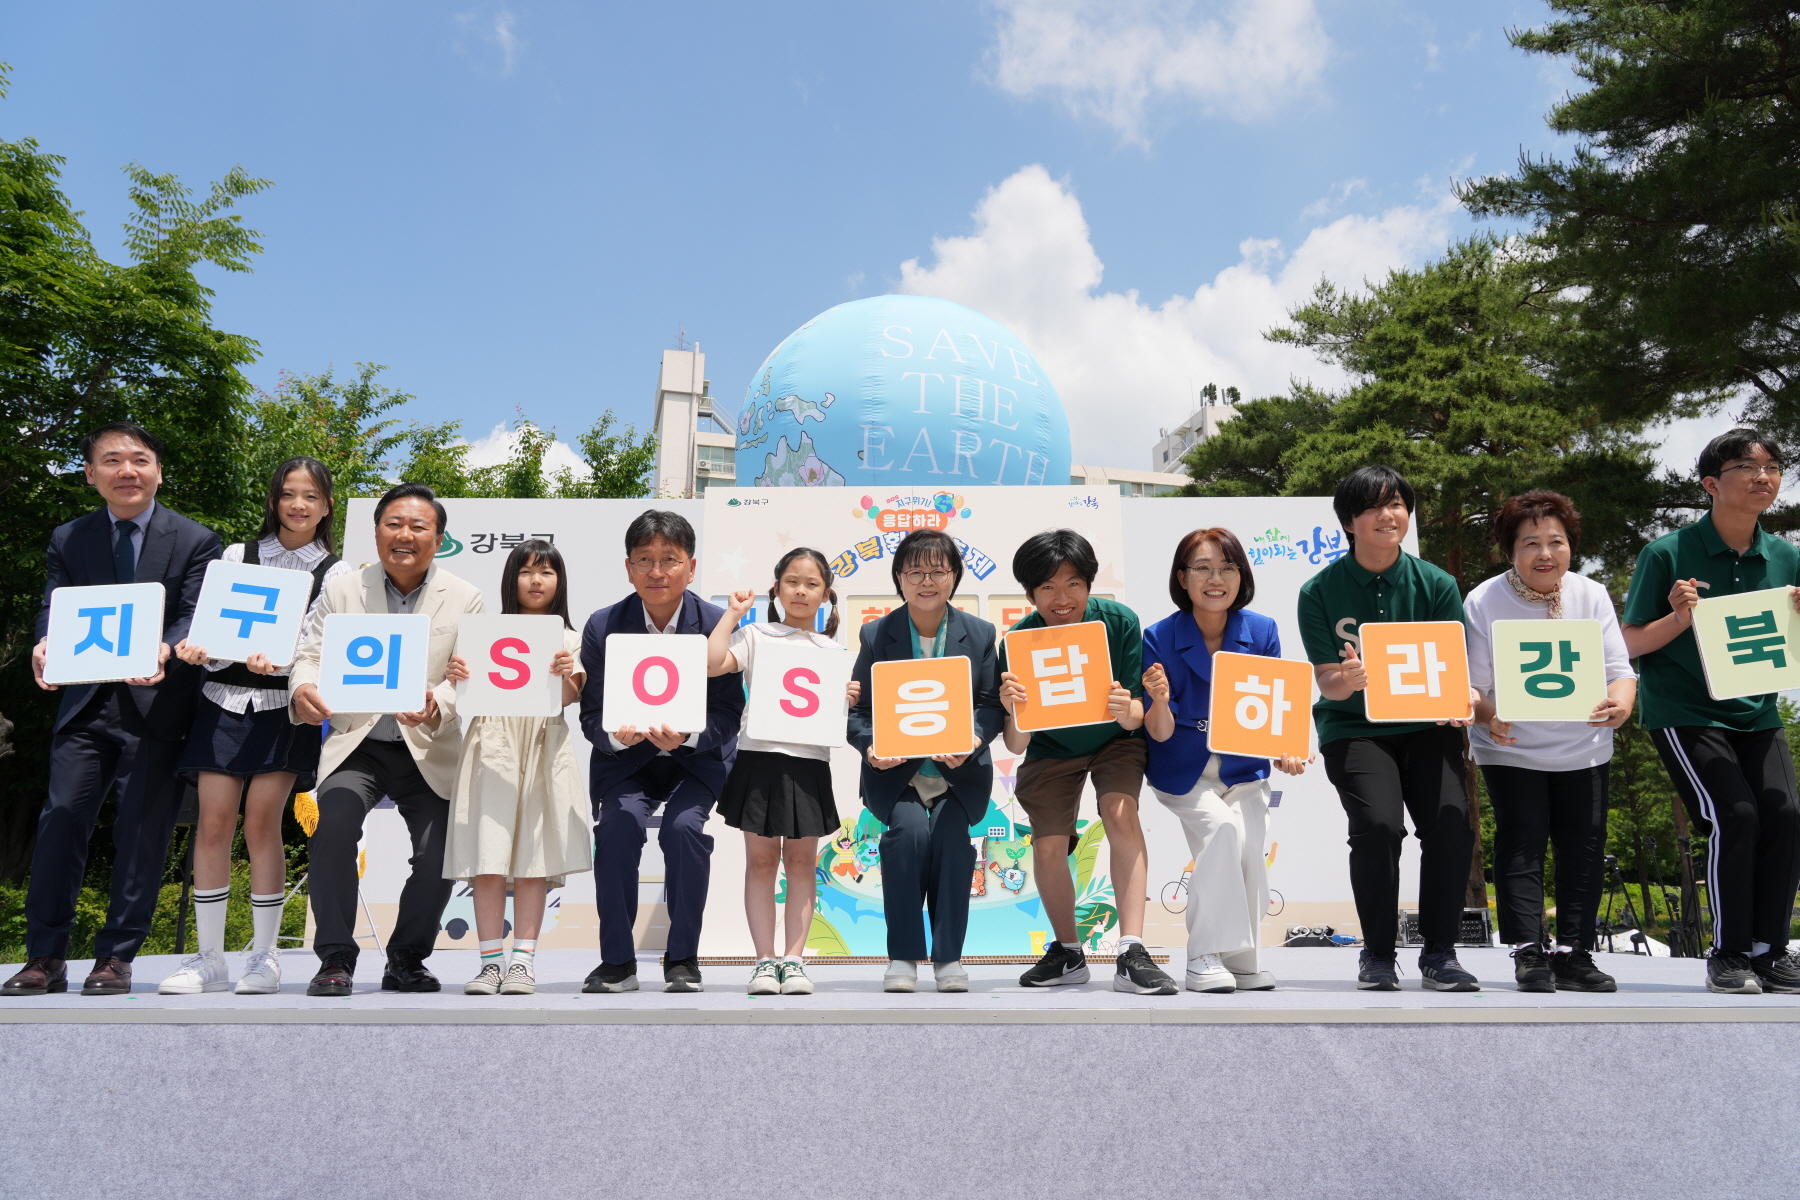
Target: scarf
[[1531, 595]]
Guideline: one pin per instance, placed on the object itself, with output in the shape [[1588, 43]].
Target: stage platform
[[1312, 1090]]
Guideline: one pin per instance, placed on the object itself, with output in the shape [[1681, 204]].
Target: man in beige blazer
[[408, 757]]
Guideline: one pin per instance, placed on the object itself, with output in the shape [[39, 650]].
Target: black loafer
[[334, 976], [40, 976], [407, 974], [612, 977]]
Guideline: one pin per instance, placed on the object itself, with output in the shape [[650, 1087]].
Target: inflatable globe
[[901, 391]]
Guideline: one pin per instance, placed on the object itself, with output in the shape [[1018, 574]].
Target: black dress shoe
[[39, 976], [334, 976], [110, 977], [405, 973], [612, 977]]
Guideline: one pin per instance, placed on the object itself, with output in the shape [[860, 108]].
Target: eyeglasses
[[667, 566], [919, 577], [1754, 470], [1228, 571]]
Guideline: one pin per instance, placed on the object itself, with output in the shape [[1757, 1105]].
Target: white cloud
[[497, 447], [497, 31], [1125, 367], [1109, 59]]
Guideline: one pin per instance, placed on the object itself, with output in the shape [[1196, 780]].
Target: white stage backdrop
[[743, 531]]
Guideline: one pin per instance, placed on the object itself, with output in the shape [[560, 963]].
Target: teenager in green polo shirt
[[1729, 759], [1384, 772], [1056, 569]]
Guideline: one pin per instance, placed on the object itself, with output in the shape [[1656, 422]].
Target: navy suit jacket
[[1176, 642], [971, 784], [175, 553], [709, 759]]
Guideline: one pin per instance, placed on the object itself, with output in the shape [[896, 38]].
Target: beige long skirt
[[519, 808]]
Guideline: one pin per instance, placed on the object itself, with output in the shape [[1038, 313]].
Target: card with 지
[[1749, 643], [103, 633]]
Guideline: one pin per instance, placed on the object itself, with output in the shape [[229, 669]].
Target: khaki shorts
[[1049, 789]]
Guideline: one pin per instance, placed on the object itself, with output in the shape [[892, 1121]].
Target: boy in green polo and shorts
[[1729, 759], [1056, 570]]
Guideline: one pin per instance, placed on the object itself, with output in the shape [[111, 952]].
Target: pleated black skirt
[[779, 795], [250, 743]]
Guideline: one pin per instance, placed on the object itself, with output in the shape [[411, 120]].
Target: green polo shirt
[[1671, 682], [1339, 599], [1125, 644]]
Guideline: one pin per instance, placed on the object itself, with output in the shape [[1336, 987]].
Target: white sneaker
[[205, 972], [520, 980], [951, 977], [262, 973], [902, 975], [1254, 981], [1208, 974], [487, 983]]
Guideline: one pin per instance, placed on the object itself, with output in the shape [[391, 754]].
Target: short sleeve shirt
[[1125, 643], [1672, 683], [1337, 601]]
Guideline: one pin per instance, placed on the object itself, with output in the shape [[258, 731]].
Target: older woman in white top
[[1547, 780]]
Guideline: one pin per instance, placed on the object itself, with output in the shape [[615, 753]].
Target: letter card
[[798, 693], [244, 609], [374, 662], [103, 633], [1067, 673], [922, 707], [1418, 671], [1748, 643], [1261, 707], [509, 666], [1548, 670], [654, 679]]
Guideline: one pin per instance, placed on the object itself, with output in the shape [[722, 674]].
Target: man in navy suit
[[634, 772], [129, 733]]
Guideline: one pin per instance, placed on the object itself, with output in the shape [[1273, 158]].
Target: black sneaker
[[682, 975], [1440, 972], [334, 975], [1777, 971], [1575, 972], [407, 973], [612, 977], [1138, 974], [1729, 973], [1061, 964], [1531, 970], [1377, 973]]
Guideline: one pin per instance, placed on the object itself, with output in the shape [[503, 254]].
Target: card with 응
[[509, 661], [1418, 670], [1748, 643], [1548, 670], [922, 707], [1067, 673], [244, 609], [1260, 706], [799, 693], [654, 679], [104, 633]]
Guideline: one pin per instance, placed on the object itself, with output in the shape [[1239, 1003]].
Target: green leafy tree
[[1455, 384], [1669, 213], [618, 463], [84, 341]]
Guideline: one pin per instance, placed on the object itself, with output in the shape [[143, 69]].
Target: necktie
[[124, 561]]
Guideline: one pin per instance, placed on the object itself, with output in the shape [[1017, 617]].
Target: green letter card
[[1748, 643], [1548, 670]]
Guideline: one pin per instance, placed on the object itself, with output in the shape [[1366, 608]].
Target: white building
[[689, 456], [1213, 412], [1129, 483]]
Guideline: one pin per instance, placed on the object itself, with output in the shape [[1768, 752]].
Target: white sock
[[793, 958], [1758, 948], [1129, 940], [1524, 945], [209, 918], [493, 951], [525, 951], [265, 920]]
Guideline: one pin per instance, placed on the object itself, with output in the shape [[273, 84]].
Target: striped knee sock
[[525, 952], [494, 952], [209, 917], [265, 920]]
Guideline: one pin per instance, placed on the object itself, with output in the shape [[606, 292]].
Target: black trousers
[[1533, 809], [1739, 791], [373, 770], [103, 744], [927, 861], [1381, 780], [621, 822]]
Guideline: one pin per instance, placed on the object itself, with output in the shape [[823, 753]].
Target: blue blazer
[[175, 553], [709, 759], [1175, 641], [971, 784]]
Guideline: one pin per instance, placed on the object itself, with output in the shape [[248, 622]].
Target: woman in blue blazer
[[1222, 800], [928, 805]]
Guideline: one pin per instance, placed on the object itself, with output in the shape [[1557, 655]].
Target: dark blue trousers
[[927, 860], [104, 744], [621, 819]]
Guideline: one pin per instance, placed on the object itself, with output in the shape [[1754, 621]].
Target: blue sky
[[518, 205]]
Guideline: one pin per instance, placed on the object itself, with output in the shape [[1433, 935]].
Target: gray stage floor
[[1316, 985]]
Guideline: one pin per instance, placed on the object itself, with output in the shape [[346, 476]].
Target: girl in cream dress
[[519, 812]]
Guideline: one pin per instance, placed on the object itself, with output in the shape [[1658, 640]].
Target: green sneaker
[[793, 980], [766, 979]]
